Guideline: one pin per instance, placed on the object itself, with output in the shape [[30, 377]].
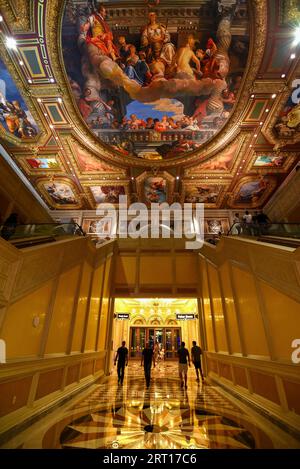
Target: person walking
[[183, 359], [9, 226], [147, 359], [122, 358], [196, 359]]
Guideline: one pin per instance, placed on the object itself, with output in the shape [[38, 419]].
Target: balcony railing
[[118, 136]]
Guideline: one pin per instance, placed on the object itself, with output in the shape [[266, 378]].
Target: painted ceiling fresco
[[172, 100], [14, 114], [145, 85]]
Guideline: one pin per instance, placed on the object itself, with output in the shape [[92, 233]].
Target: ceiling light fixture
[[283, 75], [21, 63], [293, 56], [29, 80], [274, 96], [39, 100], [255, 135], [261, 123], [297, 36], [51, 80], [59, 100], [1, 18], [177, 177], [11, 43], [253, 96], [267, 110]]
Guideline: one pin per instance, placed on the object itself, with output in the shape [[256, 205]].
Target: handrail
[[285, 230], [12, 231]]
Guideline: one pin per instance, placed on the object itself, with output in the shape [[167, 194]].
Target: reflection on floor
[[161, 417]]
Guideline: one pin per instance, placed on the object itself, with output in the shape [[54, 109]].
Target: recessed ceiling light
[[261, 123], [274, 96], [52, 80], [11, 43], [293, 56], [267, 110], [29, 80], [39, 100], [283, 75], [255, 135], [51, 126], [253, 96], [45, 114], [250, 146], [1, 18], [21, 62], [132, 178], [177, 177], [59, 100]]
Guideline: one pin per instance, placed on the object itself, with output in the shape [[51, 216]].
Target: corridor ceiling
[[186, 101]]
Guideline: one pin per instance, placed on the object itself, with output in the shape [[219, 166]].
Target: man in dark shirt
[[196, 359], [183, 357], [122, 357], [147, 359]]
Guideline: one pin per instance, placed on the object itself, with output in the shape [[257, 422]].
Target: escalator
[[29, 235], [282, 234]]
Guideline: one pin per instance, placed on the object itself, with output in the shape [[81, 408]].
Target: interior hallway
[[165, 416]]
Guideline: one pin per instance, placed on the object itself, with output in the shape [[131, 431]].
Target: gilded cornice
[[18, 14]]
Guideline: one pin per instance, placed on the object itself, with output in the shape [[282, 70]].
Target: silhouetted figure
[[122, 358], [196, 359], [147, 359], [9, 226], [183, 358]]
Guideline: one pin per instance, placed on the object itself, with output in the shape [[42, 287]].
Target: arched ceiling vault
[[240, 165]]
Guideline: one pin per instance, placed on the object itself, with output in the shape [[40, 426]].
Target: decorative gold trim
[[63, 180], [231, 199], [140, 182], [223, 184]]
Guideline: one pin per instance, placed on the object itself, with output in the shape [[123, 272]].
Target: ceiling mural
[[147, 86], [169, 101], [287, 126], [15, 117]]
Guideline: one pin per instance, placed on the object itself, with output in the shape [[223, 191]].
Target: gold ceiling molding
[[18, 14], [258, 34], [241, 140], [290, 11]]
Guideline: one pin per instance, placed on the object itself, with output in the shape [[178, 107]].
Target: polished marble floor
[[165, 416]]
